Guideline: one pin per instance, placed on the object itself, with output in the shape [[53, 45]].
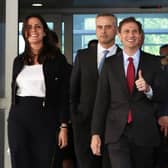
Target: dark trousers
[[161, 154], [32, 140], [105, 157], [84, 156], [126, 154]]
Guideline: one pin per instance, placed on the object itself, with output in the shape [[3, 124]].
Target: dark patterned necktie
[[130, 82]]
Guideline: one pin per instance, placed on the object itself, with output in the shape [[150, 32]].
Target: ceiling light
[[37, 4]]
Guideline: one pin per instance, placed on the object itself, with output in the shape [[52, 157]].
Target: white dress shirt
[[100, 50], [136, 58]]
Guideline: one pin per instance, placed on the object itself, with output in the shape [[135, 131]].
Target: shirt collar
[[135, 57], [112, 49]]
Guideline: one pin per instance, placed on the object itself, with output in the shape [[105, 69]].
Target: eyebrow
[[105, 25]]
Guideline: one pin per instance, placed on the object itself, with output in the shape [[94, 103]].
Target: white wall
[[10, 53]]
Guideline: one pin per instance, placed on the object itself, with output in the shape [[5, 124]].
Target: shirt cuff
[[149, 94]]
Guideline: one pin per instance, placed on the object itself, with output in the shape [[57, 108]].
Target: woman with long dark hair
[[37, 122]]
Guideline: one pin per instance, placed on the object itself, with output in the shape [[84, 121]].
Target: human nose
[[33, 28], [103, 29], [131, 33]]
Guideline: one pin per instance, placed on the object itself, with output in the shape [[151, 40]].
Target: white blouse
[[30, 81]]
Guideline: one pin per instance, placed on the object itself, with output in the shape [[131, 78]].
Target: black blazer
[[56, 74], [84, 85], [113, 102]]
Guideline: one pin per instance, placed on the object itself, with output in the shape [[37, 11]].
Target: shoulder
[[147, 54], [68, 65], [18, 60], [18, 64], [59, 57], [118, 49], [83, 52], [58, 62], [86, 51], [150, 57], [19, 57], [117, 56], [82, 56]]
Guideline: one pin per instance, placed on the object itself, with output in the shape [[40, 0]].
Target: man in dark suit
[[163, 120], [162, 150], [131, 131], [84, 78]]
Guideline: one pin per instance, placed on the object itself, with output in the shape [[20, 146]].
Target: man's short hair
[[164, 46], [107, 14], [130, 20]]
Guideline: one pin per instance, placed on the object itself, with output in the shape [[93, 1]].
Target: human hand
[[163, 122], [63, 138], [141, 84], [96, 145]]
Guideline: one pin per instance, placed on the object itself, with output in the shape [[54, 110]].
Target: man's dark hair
[[92, 43], [130, 20], [164, 46]]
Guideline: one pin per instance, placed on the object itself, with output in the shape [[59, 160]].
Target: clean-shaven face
[[34, 31], [106, 30], [130, 35]]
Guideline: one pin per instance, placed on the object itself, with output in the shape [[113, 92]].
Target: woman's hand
[[63, 137]]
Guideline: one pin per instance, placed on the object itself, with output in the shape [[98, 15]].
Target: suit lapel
[[119, 68], [142, 63], [93, 59], [141, 66], [118, 49]]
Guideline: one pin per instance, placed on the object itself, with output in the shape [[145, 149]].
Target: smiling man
[[127, 89]]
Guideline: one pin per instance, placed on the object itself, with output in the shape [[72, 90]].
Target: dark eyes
[[128, 31], [29, 27], [105, 26]]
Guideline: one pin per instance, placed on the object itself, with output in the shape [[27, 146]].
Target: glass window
[[83, 31], [155, 27]]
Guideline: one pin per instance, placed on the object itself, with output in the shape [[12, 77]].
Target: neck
[[130, 52], [36, 48], [35, 51], [107, 45]]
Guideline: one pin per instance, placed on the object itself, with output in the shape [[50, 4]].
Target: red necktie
[[130, 82]]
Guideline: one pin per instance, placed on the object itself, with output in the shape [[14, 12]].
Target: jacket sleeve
[[17, 66], [163, 106], [159, 84], [64, 96], [75, 86], [101, 103]]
